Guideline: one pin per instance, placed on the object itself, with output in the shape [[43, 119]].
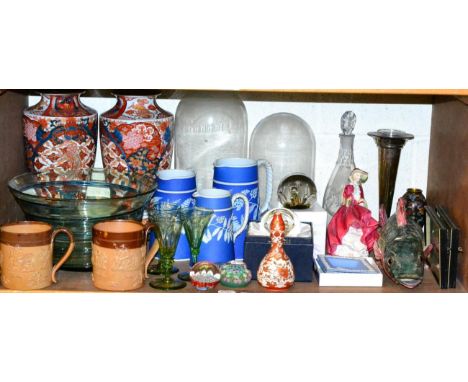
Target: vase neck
[[277, 230], [141, 100], [64, 105], [415, 191], [346, 153], [136, 107], [64, 99]]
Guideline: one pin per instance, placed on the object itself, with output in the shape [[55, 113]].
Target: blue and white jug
[[240, 175], [177, 187], [218, 240]]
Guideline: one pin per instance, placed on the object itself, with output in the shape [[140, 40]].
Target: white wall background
[[324, 119]]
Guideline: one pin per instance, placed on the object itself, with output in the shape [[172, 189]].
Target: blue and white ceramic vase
[[218, 240], [240, 175], [177, 187]]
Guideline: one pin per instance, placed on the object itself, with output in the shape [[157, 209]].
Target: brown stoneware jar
[[120, 258], [26, 249]]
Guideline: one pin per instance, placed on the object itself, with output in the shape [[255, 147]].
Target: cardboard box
[[350, 279], [318, 217]]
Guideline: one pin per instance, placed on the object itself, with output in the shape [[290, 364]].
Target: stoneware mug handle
[[70, 248], [269, 183], [153, 250], [246, 213]]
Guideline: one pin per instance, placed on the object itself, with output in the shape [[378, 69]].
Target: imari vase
[[60, 134], [276, 270], [136, 136]]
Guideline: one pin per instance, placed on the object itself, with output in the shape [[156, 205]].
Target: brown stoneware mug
[[26, 249], [120, 258]]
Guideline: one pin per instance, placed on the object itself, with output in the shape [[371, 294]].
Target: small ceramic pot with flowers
[[205, 275], [235, 274]]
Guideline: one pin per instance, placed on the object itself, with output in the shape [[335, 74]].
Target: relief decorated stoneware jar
[[136, 135], [276, 271], [60, 134]]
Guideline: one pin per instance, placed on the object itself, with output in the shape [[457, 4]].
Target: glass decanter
[[344, 165]]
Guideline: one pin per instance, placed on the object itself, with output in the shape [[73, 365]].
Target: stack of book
[[349, 272]]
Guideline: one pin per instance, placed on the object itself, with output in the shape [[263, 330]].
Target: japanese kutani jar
[[60, 134], [136, 136]]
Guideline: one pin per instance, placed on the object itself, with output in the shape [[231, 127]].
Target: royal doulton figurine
[[276, 271], [399, 250], [352, 231]]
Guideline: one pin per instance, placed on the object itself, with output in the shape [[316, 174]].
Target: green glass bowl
[[79, 199]]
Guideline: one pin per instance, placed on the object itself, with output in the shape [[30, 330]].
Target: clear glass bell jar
[[288, 143], [209, 125]]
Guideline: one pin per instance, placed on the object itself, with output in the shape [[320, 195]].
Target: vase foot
[[171, 285], [155, 270]]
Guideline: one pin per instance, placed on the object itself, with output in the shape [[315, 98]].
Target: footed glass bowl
[[79, 199]]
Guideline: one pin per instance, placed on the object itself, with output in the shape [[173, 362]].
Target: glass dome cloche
[[209, 125], [288, 143]]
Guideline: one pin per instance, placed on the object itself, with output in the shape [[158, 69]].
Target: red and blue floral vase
[[136, 136], [60, 134]]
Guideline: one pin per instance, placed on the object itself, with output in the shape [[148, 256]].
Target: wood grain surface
[[81, 282], [12, 161], [448, 168]]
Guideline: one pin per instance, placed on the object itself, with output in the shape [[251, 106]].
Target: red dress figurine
[[352, 231]]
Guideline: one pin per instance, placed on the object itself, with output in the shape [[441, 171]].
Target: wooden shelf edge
[[165, 93], [434, 92], [80, 282]]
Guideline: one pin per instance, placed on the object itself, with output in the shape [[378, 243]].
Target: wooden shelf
[[81, 282], [167, 92], [448, 130], [452, 92]]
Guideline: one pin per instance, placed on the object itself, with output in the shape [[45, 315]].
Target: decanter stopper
[[348, 121]]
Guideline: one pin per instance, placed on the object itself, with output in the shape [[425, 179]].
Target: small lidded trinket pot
[[205, 275], [235, 274]]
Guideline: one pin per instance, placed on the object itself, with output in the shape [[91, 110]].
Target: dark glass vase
[[415, 205]]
